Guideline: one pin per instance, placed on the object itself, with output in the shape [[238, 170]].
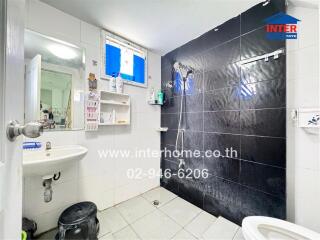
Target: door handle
[[31, 130]]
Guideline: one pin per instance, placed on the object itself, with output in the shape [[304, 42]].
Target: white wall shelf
[[162, 129], [117, 104], [150, 102], [114, 103], [113, 124]]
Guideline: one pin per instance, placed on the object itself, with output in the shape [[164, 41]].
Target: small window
[[121, 56]]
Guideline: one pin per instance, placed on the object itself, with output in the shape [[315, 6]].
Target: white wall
[[102, 181], [303, 147]]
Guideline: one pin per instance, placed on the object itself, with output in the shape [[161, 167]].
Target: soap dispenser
[[112, 83]]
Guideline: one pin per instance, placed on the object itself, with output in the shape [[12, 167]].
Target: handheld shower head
[[176, 66], [188, 73]]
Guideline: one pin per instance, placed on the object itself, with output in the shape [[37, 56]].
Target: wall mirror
[[54, 82]]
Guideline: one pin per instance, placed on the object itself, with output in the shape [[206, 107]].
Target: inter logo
[[281, 26]]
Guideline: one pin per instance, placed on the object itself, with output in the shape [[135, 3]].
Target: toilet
[[267, 228]]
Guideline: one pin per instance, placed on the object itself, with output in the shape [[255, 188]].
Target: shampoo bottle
[[160, 97], [114, 116], [119, 84], [152, 96]]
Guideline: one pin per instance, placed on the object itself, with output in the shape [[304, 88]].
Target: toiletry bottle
[[112, 83], [152, 95], [113, 116], [160, 97], [119, 83]]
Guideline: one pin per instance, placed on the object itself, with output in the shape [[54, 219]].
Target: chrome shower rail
[[266, 56]]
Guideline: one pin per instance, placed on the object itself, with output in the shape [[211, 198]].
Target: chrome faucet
[[48, 145]]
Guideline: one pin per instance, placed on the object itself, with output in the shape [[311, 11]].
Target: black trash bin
[[79, 221], [30, 227]]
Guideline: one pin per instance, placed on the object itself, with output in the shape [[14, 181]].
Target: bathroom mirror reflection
[[54, 82]]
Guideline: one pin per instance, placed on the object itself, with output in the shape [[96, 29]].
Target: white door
[[32, 86], [11, 108]]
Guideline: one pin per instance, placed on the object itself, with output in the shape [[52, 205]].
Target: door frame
[[2, 74]]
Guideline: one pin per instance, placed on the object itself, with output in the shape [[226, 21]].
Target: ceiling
[[159, 25]]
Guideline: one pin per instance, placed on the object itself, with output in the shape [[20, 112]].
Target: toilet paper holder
[[306, 117]]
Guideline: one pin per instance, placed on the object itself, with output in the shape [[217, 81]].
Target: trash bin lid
[[78, 213]]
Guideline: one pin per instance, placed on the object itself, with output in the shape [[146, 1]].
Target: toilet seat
[[267, 228]]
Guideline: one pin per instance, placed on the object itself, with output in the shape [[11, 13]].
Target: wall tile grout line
[[235, 134]]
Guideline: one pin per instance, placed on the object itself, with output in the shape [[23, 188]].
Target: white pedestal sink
[[45, 162]]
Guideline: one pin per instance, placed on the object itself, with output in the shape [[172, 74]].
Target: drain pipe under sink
[[46, 183]]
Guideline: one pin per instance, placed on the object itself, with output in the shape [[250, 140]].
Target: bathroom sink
[[43, 162]]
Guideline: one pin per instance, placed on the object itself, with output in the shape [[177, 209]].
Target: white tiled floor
[[173, 218]]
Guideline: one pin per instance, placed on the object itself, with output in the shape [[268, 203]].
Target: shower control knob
[[31, 130]]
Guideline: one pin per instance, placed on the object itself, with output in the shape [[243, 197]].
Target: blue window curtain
[[113, 62], [138, 69]]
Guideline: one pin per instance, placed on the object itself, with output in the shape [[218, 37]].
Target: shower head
[[176, 66], [188, 73]]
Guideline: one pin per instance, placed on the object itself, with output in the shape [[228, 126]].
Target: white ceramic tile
[[134, 209], [57, 138], [183, 235], [69, 172], [148, 183], [48, 220], [307, 190], [306, 181], [108, 178], [160, 194], [303, 146], [307, 35], [93, 163], [122, 178], [309, 64], [107, 237], [200, 224], [90, 190], [110, 221], [92, 54], [154, 71], [126, 192], [239, 235], [305, 214], [221, 229], [126, 234], [90, 34], [64, 194], [156, 225], [148, 121], [292, 45], [48, 235], [107, 199], [308, 156], [181, 211], [292, 65]]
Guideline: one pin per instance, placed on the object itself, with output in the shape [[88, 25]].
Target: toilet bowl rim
[[250, 227]]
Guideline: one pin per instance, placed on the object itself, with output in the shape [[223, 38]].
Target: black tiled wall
[[217, 115]]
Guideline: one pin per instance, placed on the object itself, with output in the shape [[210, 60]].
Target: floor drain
[[156, 202]]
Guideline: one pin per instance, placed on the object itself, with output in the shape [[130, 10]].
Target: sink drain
[[156, 202]]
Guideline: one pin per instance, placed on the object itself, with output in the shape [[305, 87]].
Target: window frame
[[105, 35]]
